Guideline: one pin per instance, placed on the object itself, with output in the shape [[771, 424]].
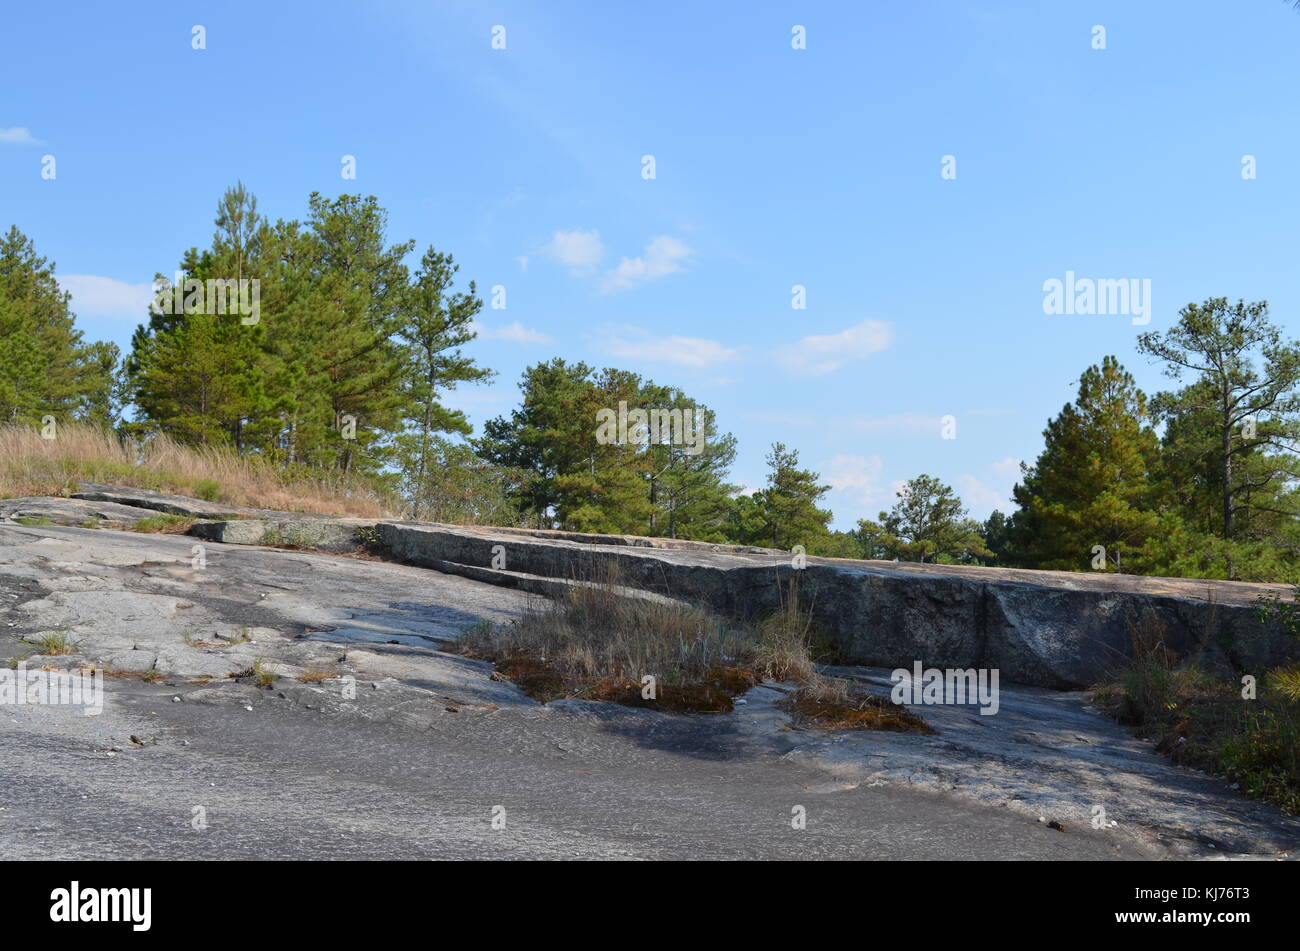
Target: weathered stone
[[307, 532], [377, 689], [169, 504], [70, 511], [1044, 628]]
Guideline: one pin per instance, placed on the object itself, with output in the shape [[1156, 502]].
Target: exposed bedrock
[[1043, 628], [1051, 629]]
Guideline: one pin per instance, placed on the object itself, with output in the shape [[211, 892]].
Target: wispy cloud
[[513, 332], [979, 496], [18, 136], [635, 343], [664, 255], [579, 251], [894, 423], [820, 354], [858, 477], [983, 495], [94, 296], [1008, 469]]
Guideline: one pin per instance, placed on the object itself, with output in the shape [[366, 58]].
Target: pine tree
[[787, 507], [1231, 432], [435, 324], [45, 368], [927, 523], [546, 437], [686, 480], [1095, 482]]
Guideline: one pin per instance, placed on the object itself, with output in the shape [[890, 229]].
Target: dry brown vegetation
[[316, 676], [598, 641], [1199, 718], [33, 466]]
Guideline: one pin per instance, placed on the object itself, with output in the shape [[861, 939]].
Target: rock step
[[1049, 629], [309, 532], [60, 511], [170, 504], [540, 585], [1041, 628]]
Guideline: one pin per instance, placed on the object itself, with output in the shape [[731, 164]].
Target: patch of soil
[[867, 712], [544, 683]]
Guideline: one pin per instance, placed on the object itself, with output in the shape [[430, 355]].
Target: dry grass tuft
[[33, 466], [316, 676], [1199, 718], [842, 709], [598, 642]]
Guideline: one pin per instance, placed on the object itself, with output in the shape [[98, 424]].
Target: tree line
[[347, 360]]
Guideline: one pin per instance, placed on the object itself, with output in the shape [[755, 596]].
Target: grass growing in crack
[[35, 520], [1201, 720], [54, 643], [598, 641], [165, 524], [256, 672]]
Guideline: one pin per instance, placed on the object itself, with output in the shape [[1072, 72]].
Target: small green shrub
[[207, 489]]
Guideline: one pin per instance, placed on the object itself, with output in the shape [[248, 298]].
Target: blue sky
[[774, 167]]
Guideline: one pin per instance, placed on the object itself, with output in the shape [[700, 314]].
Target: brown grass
[[316, 676], [852, 712], [1200, 719], [598, 642], [32, 466]]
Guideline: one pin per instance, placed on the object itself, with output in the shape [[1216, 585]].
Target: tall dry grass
[[600, 631], [33, 466]]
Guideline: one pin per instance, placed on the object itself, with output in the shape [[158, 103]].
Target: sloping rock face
[[1041, 628], [308, 532], [1050, 629], [169, 504], [70, 511]]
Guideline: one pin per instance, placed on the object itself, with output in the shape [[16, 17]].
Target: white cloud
[[856, 476], [825, 353], [580, 251], [663, 256], [980, 497], [523, 262], [634, 343], [1008, 470], [17, 136], [94, 296], [513, 332]]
